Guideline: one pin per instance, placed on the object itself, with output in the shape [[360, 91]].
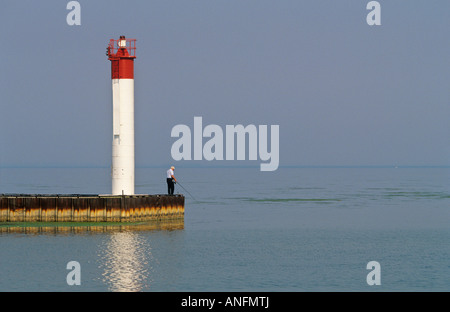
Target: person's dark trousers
[[170, 186]]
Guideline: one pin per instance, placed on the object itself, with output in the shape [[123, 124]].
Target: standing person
[[170, 180]]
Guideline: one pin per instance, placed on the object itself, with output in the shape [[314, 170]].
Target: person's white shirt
[[169, 173]]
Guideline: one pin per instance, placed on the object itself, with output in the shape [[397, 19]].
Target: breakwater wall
[[90, 208]]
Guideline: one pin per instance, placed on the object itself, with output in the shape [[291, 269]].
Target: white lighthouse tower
[[122, 53]]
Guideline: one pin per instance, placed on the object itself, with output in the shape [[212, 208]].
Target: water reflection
[[67, 228], [125, 260], [123, 254], [126, 257]]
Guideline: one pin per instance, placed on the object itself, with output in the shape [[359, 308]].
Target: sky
[[343, 93]]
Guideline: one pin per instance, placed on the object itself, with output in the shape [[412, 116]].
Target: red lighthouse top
[[122, 53]]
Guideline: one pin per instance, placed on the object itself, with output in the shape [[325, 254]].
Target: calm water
[[296, 229]]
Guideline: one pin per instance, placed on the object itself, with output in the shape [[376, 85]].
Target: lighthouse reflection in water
[[126, 262]]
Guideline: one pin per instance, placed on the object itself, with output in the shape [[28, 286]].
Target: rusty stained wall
[[22, 208]]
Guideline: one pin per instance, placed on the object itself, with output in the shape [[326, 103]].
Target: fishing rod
[[185, 190]]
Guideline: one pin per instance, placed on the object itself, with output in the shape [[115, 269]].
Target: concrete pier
[[90, 208]]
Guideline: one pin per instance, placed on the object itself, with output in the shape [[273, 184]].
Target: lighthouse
[[33, 208], [122, 53]]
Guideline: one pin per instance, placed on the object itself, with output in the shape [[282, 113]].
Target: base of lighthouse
[[90, 208]]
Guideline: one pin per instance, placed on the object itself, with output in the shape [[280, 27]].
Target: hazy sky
[[341, 91]]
